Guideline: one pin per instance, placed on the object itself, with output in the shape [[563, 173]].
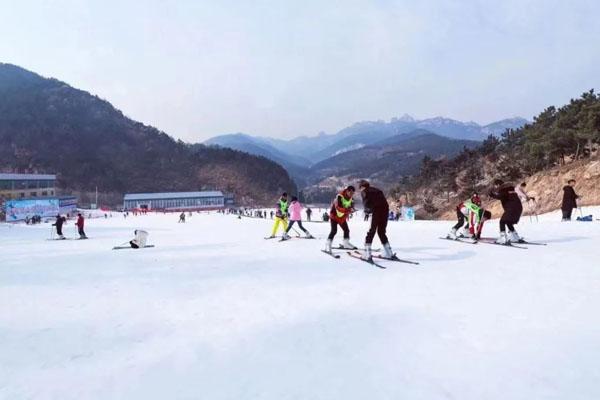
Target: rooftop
[[18, 177], [171, 195]]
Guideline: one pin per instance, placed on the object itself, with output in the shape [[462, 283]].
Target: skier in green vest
[[342, 207], [281, 214]]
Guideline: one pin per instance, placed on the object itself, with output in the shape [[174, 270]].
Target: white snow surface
[[214, 311]]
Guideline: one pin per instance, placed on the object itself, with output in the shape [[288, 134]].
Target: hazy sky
[[196, 69]]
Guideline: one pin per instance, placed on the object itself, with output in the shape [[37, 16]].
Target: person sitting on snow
[[139, 241]]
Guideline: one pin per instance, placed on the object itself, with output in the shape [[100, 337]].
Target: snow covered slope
[[214, 311]]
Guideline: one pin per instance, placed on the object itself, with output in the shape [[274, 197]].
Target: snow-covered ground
[[214, 311]]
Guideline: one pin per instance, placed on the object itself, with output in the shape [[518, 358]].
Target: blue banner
[[19, 210], [408, 214]]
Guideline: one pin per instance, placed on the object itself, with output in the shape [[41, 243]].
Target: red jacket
[[79, 222], [339, 211]]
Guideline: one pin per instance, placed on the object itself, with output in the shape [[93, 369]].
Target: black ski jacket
[[569, 200], [374, 201], [511, 203], [59, 222]]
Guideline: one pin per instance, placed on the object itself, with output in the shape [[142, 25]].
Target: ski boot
[[514, 237], [308, 235], [368, 254], [503, 239], [452, 234], [328, 245], [387, 251], [285, 236], [347, 245]]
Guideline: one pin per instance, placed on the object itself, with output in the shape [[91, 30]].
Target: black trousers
[[461, 220], [81, 232], [334, 224], [59, 230], [292, 224], [379, 222], [566, 214]]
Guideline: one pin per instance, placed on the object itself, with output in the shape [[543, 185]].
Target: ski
[[500, 244], [359, 256], [62, 239], [355, 248], [331, 254], [129, 247], [532, 243], [522, 241], [270, 237], [460, 240], [395, 258]]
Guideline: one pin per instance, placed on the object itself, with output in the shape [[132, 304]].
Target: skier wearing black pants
[[58, 224], [511, 203], [569, 201], [375, 203], [342, 207]]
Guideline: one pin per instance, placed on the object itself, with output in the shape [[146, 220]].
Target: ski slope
[[214, 311]]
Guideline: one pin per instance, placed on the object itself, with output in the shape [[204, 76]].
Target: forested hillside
[[48, 126], [559, 139]]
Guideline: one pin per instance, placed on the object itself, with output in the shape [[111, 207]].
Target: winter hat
[[363, 183], [294, 198], [351, 188]]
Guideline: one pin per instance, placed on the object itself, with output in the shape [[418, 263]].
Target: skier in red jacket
[[342, 207], [80, 223]]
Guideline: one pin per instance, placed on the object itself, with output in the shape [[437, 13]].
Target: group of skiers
[[291, 210], [471, 215], [512, 199], [375, 204], [61, 220]]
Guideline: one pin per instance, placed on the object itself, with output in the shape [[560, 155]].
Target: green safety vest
[[283, 206], [346, 204], [474, 208]]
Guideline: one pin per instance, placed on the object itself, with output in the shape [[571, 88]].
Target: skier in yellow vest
[[281, 214], [341, 208]]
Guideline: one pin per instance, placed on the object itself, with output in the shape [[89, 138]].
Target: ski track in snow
[[216, 312]]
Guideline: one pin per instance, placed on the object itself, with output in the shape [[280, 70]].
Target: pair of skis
[[359, 256], [493, 241]]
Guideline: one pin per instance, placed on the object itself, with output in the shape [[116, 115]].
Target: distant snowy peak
[[404, 118], [440, 121], [498, 127], [355, 146]]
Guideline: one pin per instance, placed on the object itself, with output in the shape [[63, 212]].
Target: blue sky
[[196, 69]]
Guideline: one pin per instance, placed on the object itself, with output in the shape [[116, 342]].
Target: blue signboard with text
[[19, 210]]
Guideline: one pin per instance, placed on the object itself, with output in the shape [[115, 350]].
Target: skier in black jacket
[[511, 203], [569, 201], [375, 203], [58, 224]]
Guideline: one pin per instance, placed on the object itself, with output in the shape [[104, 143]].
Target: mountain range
[[310, 159], [311, 150]]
